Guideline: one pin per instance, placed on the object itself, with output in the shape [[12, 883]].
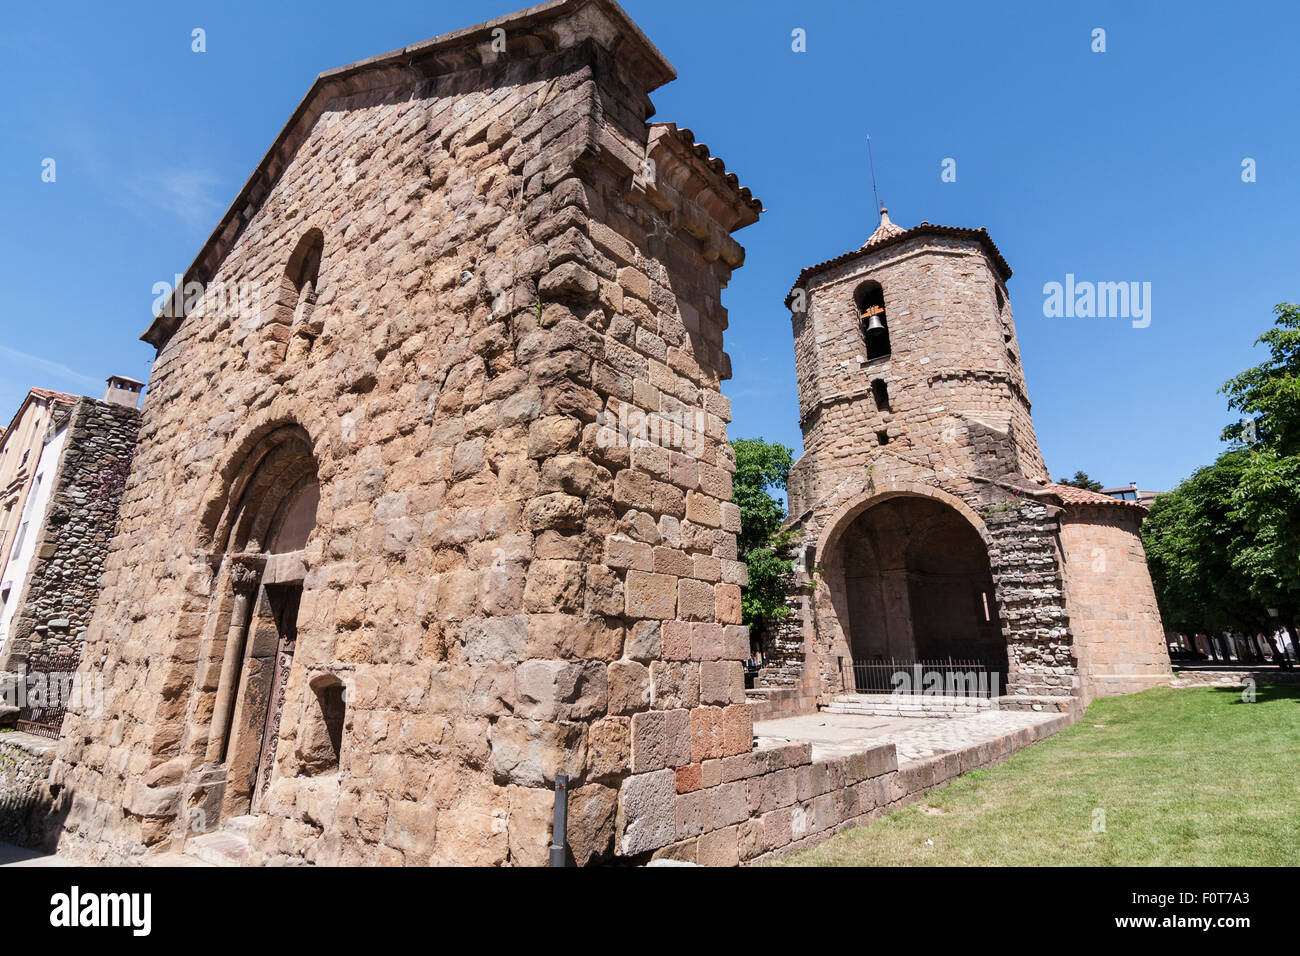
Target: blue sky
[[1115, 166]]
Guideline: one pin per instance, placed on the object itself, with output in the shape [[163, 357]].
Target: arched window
[[321, 740], [293, 324], [870, 301], [880, 392], [273, 496]]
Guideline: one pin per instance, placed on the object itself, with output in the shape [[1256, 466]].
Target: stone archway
[[910, 580], [259, 532]]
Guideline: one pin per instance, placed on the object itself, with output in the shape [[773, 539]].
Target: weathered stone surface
[[464, 315], [592, 815], [530, 753], [560, 690], [85, 468], [629, 687], [920, 457], [647, 812], [25, 764]]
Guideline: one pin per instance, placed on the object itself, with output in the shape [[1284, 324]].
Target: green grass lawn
[[1185, 777]]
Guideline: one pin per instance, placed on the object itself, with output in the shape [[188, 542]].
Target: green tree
[[762, 467], [1270, 392], [1267, 500], [1081, 480], [1224, 546], [1191, 536]]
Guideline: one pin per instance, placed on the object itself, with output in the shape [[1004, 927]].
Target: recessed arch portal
[[259, 528], [911, 581], [274, 477]]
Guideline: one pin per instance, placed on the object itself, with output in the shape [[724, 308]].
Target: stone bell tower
[[918, 445], [930, 530], [906, 350]]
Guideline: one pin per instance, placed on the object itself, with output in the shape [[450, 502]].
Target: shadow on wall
[[31, 812]]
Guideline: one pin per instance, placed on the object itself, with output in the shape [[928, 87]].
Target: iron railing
[[949, 677]]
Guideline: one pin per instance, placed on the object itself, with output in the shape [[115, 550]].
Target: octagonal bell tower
[[906, 349], [919, 453]]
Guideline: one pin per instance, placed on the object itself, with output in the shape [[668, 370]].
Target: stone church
[[440, 511], [393, 554], [930, 530]]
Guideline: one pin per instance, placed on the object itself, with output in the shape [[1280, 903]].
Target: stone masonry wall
[[951, 374], [24, 792], [58, 597], [783, 643], [1029, 579], [510, 575], [1113, 613], [755, 806]]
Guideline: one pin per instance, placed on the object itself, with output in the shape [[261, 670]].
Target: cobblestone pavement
[[914, 738]]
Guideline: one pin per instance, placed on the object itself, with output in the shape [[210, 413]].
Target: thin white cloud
[[187, 194], [57, 369]]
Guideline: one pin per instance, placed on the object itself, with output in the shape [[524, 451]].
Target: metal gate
[[45, 719], [949, 677]]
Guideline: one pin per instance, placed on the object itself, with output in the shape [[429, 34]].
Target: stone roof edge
[[980, 235], [350, 79], [717, 167]]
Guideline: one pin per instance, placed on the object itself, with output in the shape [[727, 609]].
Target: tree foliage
[[1081, 480], [762, 467], [1224, 546], [1270, 392], [1190, 537]]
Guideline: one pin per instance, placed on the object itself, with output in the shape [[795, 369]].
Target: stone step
[[239, 826], [908, 705], [917, 700], [222, 848], [887, 712], [174, 859]]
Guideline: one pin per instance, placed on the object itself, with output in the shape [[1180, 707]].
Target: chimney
[[123, 391]]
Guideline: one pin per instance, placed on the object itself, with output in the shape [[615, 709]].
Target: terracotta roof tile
[[44, 394], [1081, 496], [52, 396], [886, 230], [889, 233], [714, 163]]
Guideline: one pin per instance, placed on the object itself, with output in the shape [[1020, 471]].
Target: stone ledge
[[918, 777]]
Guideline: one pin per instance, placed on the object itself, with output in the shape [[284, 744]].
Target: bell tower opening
[[870, 300]]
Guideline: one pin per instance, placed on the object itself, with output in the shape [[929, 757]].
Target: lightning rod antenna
[[871, 159]]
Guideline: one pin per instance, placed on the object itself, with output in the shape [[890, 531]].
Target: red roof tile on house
[[50, 395]]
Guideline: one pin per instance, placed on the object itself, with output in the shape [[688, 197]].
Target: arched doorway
[[914, 587], [264, 524]]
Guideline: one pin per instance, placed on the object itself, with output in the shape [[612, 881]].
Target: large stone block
[[650, 595], [530, 753], [660, 738], [646, 812], [560, 690]]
